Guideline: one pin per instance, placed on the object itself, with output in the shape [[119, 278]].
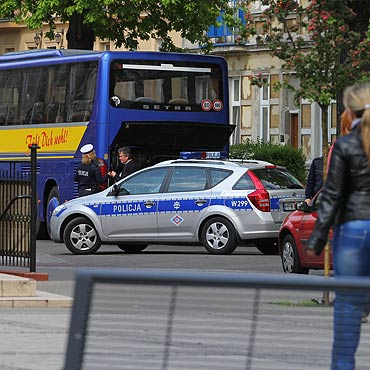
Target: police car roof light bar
[[203, 155]]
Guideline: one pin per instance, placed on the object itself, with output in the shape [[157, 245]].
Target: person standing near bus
[[88, 174], [129, 165], [103, 170]]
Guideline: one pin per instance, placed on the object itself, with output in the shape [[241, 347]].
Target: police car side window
[[148, 182], [218, 175], [244, 183], [187, 179]]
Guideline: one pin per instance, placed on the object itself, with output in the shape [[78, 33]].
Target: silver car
[[217, 203]]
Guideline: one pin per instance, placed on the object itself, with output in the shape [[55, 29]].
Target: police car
[[200, 198]]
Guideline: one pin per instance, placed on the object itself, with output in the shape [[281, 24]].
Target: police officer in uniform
[[88, 174]]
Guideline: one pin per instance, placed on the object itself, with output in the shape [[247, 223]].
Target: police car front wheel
[[218, 236], [80, 236]]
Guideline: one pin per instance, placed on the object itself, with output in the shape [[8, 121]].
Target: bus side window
[[60, 117], [37, 114], [11, 117], [3, 113], [81, 110], [51, 112]]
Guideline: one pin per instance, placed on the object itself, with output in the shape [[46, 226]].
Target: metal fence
[[15, 219], [18, 214], [147, 319]]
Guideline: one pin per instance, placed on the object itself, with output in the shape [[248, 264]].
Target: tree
[[322, 47], [124, 22]]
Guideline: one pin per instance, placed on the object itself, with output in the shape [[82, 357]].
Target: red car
[[294, 233]]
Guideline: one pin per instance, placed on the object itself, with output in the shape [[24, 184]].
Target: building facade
[[259, 113]]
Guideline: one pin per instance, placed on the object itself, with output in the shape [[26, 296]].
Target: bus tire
[[81, 237], [52, 203]]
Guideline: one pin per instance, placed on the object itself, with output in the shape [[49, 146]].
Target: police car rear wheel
[[80, 236], [219, 236], [132, 248]]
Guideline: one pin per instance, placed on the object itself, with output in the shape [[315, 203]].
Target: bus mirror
[[115, 100]]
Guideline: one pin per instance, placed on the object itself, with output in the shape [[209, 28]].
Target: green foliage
[[126, 22], [324, 46], [281, 155], [306, 303]]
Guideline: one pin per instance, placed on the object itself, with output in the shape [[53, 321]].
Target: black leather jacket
[[346, 193]]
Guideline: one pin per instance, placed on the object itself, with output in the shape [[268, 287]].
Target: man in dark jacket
[[315, 178], [129, 165]]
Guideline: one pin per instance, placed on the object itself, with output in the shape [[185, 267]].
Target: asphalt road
[[60, 263]]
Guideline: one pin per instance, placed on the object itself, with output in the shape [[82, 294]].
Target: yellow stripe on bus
[[62, 139]]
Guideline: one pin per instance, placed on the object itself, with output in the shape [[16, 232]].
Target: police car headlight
[[59, 209]]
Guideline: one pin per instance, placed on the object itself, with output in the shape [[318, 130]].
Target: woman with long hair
[[345, 203]]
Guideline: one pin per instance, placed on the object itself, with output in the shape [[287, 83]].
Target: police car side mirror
[[117, 190], [114, 191]]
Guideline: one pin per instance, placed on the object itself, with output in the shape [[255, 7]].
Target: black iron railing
[[18, 216]]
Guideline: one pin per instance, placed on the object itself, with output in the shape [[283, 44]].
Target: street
[[32, 334], [56, 260]]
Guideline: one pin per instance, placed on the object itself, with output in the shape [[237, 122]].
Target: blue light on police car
[[203, 155]]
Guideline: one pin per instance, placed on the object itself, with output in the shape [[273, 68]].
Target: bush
[[281, 155]]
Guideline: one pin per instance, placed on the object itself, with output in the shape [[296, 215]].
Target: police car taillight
[[203, 155], [260, 199]]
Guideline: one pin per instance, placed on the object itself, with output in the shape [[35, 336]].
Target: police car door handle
[[200, 202], [149, 204]]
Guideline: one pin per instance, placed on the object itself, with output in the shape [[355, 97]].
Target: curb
[[39, 276]]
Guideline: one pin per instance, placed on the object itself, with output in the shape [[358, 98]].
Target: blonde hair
[[357, 99], [89, 157]]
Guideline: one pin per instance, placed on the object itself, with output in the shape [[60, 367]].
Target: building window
[[235, 109], [106, 46], [264, 112]]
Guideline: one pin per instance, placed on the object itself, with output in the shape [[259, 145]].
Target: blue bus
[[158, 104]]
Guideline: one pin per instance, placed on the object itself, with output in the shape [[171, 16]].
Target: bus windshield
[[181, 86]]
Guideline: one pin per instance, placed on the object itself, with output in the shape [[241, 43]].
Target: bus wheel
[[53, 202], [134, 248], [80, 236]]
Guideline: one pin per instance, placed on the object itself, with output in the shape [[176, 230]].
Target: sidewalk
[[16, 291], [34, 323]]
